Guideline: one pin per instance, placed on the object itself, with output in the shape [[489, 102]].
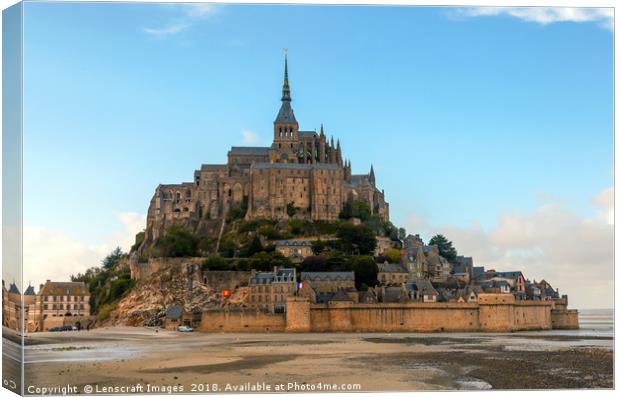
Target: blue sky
[[464, 115]]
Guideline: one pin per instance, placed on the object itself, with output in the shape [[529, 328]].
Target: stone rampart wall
[[226, 279], [141, 270], [492, 312], [249, 320], [564, 319]]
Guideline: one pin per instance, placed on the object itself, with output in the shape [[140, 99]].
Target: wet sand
[[376, 362]]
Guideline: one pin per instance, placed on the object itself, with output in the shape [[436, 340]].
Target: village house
[[331, 282], [421, 290], [414, 260], [532, 291], [463, 267], [392, 293], [13, 307], [515, 279], [546, 291], [468, 294], [62, 303], [392, 273], [269, 290], [495, 286], [295, 250]]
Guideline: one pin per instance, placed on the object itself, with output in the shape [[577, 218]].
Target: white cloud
[[166, 30], [53, 255], [186, 16], [199, 10], [572, 252], [249, 137], [547, 15], [605, 202]]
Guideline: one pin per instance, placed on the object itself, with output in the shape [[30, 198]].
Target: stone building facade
[[269, 290], [56, 304], [302, 174]]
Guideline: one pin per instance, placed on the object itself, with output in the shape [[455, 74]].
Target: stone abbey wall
[[492, 312]]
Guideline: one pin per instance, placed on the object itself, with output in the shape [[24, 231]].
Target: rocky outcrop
[[171, 284]]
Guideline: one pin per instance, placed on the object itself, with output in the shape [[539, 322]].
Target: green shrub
[[215, 262], [270, 232], [105, 310], [178, 242]]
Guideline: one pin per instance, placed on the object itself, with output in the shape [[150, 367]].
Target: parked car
[[185, 328]]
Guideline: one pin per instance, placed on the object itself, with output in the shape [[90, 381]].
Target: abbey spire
[[286, 89], [286, 114]]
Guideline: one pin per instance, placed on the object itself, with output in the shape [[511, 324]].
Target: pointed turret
[[286, 89], [322, 132], [285, 125], [371, 175]]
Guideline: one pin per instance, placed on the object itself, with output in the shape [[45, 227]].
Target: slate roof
[[174, 312], [478, 271], [286, 114], [212, 166], [293, 243], [425, 287], [13, 289], [249, 150], [64, 288], [296, 166], [510, 275], [392, 268], [283, 275], [340, 296], [367, 296], [327, 276], [392, 295], [360, 180], [29, 290], [307, 134]]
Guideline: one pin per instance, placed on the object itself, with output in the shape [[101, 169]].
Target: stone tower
[[285, 126]]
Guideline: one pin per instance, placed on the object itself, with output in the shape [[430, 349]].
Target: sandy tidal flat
[[114, 359]]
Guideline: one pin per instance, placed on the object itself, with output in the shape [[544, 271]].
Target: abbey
[[302, 175]]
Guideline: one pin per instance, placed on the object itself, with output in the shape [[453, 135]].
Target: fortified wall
[[492, 312], [141, 270]]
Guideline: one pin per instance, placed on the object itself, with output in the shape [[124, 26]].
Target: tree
[[291, 210], [112, 259], [445, 247], [402, 233], [365, 270], [179, 242], [392, 255], [215, 262], [315, 263], [254, 247], [355, 209], [360, 239]]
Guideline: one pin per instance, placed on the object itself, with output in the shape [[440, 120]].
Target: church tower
[[285, 127]]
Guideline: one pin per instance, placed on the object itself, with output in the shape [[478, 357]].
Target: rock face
[[172, 284]]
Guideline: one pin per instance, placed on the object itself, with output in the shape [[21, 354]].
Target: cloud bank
[[249, 137], [187, 15], [52, 255], [546, 15], [572, 252]]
